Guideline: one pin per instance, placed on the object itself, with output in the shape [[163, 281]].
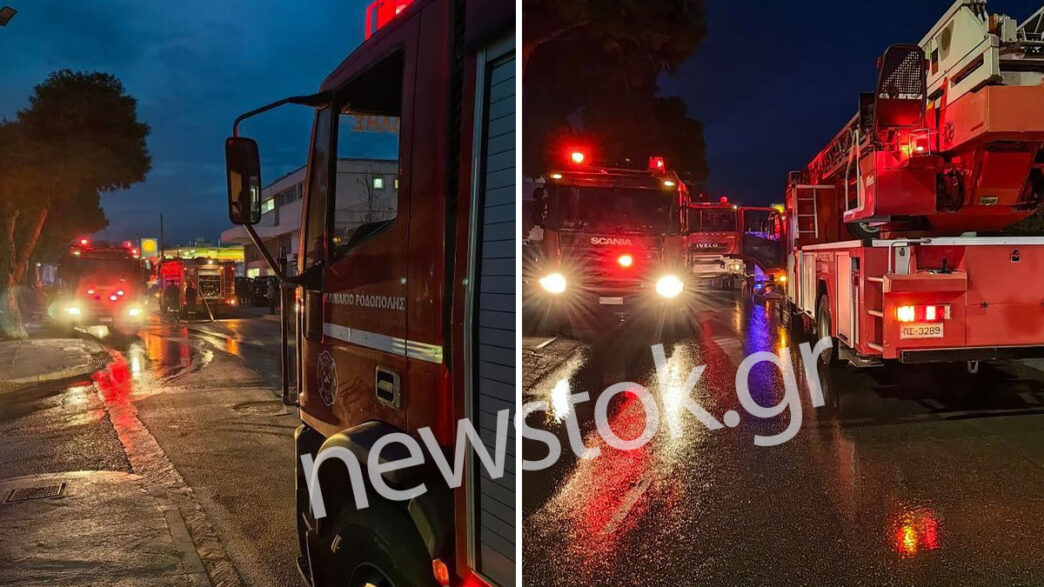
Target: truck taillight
[[928, 313]]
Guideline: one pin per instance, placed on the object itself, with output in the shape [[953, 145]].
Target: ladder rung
[[875, 346], [877, 313]]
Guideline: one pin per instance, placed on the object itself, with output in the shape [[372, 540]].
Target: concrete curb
[[549, 368]]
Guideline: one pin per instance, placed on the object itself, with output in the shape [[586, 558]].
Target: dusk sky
[[194, 65], [772, 82]]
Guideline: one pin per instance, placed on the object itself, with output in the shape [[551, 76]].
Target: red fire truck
[[889, 247], [214, 282], [732, 245], [612, 243], [407, 299], [101, 284]]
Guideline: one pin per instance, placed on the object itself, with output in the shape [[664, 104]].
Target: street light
[[6, 13]]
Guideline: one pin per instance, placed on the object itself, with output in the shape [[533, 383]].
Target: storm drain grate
[[28, 493]]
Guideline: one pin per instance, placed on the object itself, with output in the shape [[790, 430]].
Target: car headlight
[[669, 286], [554, 283]]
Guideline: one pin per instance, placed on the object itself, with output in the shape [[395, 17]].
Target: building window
[[268, 205], [378, 183], [396, 183]]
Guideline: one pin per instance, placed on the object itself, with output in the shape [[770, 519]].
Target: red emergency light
[[657, 164], [625, 260], [724, 199], [577, 157], [380, 12]]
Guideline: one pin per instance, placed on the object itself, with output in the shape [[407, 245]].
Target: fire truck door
[[354, 352], [763, 238], [490, 344]]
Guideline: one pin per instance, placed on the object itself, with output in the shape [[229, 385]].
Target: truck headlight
[[554, 283], [669, 286], [73, 310], [134, 312]]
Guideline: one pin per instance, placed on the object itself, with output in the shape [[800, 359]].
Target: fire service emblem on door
[[326, 375]]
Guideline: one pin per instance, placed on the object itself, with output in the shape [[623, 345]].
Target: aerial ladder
[[895, 246]]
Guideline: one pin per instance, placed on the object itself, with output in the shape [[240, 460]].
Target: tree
[[590, 73], [79, 137]]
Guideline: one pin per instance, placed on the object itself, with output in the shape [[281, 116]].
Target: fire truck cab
[[101, 284], [612, 243], [886, 252], [733, 246], [403, 305]]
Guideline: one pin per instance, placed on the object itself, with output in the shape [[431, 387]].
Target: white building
[[366, 191]]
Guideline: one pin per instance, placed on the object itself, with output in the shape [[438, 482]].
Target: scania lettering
[[402, 305], [611, 244]]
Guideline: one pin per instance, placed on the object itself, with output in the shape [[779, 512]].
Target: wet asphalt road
[[193, 408], [925, 475]]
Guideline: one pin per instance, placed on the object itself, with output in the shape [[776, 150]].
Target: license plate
[[934, 330], [610, 301], [105, 319]]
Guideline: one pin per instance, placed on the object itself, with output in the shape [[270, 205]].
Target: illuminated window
[[378, 183], [268, 205]]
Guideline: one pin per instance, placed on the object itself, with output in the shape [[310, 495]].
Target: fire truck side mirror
[[243, 166]]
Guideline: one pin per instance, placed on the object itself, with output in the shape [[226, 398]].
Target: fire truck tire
[[823, 328], [862, 230], [377, 546]]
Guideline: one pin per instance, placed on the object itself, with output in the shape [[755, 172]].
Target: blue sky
[[194, 66]]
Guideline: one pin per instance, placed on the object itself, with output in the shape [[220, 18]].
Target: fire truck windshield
[[100, 269], [613, 210], [712, 220]]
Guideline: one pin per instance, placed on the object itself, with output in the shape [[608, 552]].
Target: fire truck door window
[[759, 223], [366, 199], [712, 220], [318, 186]]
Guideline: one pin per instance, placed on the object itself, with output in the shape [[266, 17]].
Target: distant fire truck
[[883, 250], [612, 241], [213, 281], [404, 300], [735, 246], [101, 284]]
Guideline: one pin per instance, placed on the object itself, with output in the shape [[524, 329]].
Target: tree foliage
[[79, 137], [590, 73]]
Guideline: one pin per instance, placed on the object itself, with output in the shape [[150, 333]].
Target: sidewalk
[[31, 361], [93, 528]]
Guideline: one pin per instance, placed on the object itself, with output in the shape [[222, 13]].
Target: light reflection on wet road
[[920, 475]]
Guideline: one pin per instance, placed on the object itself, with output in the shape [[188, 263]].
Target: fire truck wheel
[[378, 546], [829, 356], [862, 230]]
